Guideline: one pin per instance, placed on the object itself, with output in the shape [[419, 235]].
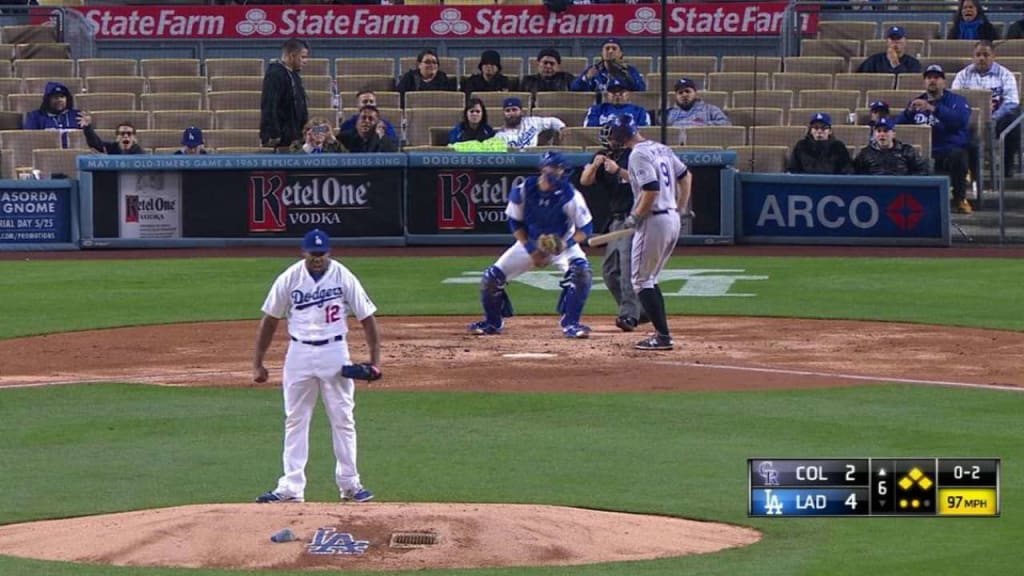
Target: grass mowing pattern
[[122, 447]]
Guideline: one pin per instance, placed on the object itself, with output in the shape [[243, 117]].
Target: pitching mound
[[359, 537]]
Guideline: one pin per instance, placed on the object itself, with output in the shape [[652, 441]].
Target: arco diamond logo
[[905, 212]]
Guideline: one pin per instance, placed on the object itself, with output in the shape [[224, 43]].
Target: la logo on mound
[[256, 23], [451, 22]]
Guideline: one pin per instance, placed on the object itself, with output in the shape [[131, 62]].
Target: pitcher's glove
[[364, 371], [551, 244]]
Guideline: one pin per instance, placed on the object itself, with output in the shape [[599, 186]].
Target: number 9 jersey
[[651, 161], [316, 309]]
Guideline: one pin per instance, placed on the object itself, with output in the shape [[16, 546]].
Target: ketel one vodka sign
[[474, 199], [289, 201]]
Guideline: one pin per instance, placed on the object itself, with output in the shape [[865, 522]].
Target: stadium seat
[[751, 63], [763, 99], [802, 116], [172, 101], [234, 67], [510, 65], [230, 138], [797, 81], [581, 136], [109, 119], [169, 67], [42, 51], [850, 99], [179, 84], [237, 119], [7, 168], [364, 66], [239, 100], [181, 119], [21, 143], [420, 120], [917, 29], [37, 85], [25, 103], [10, 120], [132, 84], [493, 100], [756, 116], [815, 64], [732, 81], [94, 101], [44, 68], [28, 34], [78, 141], [319, 99], [564, 100], [915, 48], [775, 135], [91, 67], [377, 83], [832, 47], [679, 65], [236, 83], [53, 161], [159, 138], [768, 159], [435, 99], [715, 136], [864, 82]]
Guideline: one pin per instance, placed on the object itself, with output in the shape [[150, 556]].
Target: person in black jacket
[[369, 135], [550, 77], [887, 156], [489, 78], [283, 107], [426, 76], [894, 60], [819, 152], [126, 142], [1016, 30], [971, 23]]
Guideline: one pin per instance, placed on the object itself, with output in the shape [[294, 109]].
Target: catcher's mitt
[[551, 244], [363, 371]]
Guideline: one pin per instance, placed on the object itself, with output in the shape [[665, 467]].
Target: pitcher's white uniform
[[657, 234], [316, 313]]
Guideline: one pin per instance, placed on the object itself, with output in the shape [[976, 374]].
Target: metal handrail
[[1000, 174]]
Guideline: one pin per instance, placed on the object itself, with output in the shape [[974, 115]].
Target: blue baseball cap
[[684, 83], [934, 69], [553, 158], [896, 32], [617, 85], [623, 128], [192, 137], [885, 124], [879, 105], [821, 118], [611, 41], [512, 102], [316, 241]]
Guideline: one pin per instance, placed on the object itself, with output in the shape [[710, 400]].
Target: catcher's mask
[[620, 130]]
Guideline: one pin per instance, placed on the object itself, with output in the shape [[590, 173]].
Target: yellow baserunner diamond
[[924, 483], [915, 474], [906, 483]]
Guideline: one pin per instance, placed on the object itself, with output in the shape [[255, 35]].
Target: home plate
[[530, 355]]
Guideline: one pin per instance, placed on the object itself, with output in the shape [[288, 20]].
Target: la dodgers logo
[[302, 300], [327, 541]]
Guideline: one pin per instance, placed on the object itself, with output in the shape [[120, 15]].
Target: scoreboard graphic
[[785, 487]]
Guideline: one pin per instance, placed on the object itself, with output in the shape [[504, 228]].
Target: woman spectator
[[427, 75], [318, 139], [971, 23], [474, 124]]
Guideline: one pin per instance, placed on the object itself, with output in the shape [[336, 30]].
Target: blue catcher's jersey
[[560, 211]]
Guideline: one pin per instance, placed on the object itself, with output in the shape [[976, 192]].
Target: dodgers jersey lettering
[[560, 211], [652, 161], [316, 310]]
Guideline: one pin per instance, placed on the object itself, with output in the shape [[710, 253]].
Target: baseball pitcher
[[315, 295]]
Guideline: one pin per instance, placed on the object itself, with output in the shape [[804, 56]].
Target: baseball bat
[[602, 239]]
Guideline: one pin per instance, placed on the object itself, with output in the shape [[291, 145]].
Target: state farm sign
[[339, 21]]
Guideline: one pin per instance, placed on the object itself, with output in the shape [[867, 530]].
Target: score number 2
[[332, 313]]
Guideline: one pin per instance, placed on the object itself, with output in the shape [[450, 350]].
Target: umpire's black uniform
[[608, 190]]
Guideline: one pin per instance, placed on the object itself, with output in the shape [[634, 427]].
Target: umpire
[[607, 178]]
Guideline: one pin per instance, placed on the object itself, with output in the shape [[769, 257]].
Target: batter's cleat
[[483, 328], [655, 342], [271, 497], [361, 495], [626, 324], [576, 331]]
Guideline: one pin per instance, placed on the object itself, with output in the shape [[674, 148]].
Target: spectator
[[971, 23], [524, 131], [369, 134], [819, 152], [426, 76], [474, 124], [878, 109], [691, 110], [367, 98], [318, 138], [894, 60], [283, 108], [1016, 30], [887, 156], [192, 142], [125, 143], [949, 115], [489, 77], [616, 103], [550, 78], [56, 112], [596, 77], [987, 74]]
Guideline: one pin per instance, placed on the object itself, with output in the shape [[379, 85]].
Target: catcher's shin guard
[[575, 291], [493, 298]]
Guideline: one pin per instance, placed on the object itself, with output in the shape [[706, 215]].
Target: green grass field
[[80, 450]]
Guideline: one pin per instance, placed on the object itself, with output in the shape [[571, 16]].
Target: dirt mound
[[469, 536]]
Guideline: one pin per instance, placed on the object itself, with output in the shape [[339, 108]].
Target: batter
[[654, 171], [315, 295], [543, 205]]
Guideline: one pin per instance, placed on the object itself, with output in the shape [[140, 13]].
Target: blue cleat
[[483, 328], [576, 331], [271, 497], [361, 495]]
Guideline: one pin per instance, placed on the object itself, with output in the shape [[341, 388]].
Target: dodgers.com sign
[[484, 21], [859, 209]]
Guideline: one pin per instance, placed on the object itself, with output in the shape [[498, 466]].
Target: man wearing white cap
[[316, 294]]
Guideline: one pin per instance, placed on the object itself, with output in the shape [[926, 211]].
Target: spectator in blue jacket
[[596, 77], [474, 124], [971, 23], [616, 103], [691, 110], [367, 98], [56, 112], [949, 115]]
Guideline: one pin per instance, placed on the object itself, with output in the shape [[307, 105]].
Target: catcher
[[550, 220]]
